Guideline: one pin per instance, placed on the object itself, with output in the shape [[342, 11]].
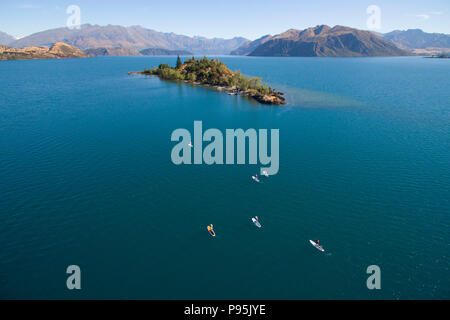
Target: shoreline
[[276, 98]]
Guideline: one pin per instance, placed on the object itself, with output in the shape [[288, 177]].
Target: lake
[[86, 179]]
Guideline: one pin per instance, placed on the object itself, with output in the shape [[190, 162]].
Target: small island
[[214, 73], [441, 56]]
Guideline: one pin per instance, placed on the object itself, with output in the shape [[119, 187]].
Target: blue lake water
[[86, 178]]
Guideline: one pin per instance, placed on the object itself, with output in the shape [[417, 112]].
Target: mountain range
[[419, 41], [59, 50], [322, 40], [317, 41], [135, 38], [121, 51]]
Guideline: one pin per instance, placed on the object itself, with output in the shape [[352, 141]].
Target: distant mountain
[[417, 39], [119, 51], [6, 39], [324, 41], [135, 37], [59, 50], [249, 46], [164, 52]]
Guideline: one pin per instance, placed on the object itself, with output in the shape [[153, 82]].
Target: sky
[[225, 19]]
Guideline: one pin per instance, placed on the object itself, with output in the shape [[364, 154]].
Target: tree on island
[[179, 63]]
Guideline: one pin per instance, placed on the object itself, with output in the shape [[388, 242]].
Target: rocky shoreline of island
[[275, 98], [215, 74]]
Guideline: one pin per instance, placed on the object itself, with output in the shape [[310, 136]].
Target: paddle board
[[256, 222], [317, 246]]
